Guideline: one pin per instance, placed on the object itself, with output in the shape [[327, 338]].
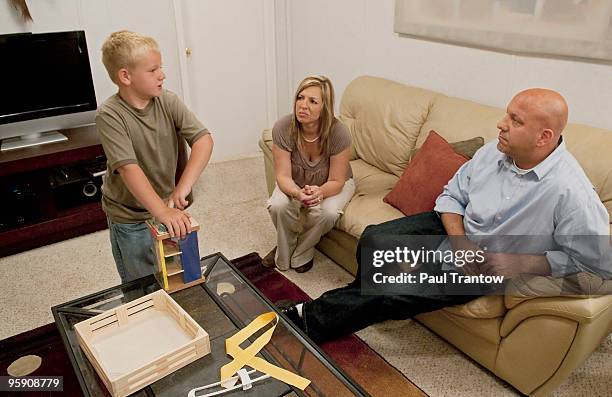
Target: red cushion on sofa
[[425, 176]]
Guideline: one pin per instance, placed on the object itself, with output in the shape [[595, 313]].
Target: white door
[[228, 78]]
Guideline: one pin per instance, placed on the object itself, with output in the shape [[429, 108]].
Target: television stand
[[32, 140], [37, 210]]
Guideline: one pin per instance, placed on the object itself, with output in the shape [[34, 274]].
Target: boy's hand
[[178, 198], [176, 221]]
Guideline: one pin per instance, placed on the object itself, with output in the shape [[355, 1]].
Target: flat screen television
[[48, 86]]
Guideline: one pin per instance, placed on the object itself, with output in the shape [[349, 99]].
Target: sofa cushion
[[591, 147], [478, 338], [366, 207], [385, 118], [579, 285], [369, 179], [458, 119], [491, 306], [425, 177], [364, 210]]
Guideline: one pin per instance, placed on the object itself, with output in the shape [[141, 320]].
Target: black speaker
[[21, 205]]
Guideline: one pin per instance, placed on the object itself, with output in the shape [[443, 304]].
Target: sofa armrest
[[581, 310], [266, 136], [265, 144]]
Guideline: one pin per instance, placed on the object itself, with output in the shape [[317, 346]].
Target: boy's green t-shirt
[[145, 137]]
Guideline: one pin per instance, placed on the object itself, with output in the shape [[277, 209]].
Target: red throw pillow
[[425, 176]]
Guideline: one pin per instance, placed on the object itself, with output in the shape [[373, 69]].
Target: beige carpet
[[230, 200]]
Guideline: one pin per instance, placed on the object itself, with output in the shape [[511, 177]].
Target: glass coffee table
[[222, 305]]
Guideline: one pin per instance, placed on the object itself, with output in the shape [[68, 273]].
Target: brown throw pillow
[[466, 148], [432, 166]]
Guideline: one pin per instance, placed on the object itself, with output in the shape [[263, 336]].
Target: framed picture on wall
[[576, 28]]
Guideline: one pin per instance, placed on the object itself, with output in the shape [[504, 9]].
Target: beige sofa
[[534, 343]]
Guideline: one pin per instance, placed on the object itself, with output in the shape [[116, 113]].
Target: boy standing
[[138, 130]]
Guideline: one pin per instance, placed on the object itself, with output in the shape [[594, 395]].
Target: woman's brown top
[[303, 171]]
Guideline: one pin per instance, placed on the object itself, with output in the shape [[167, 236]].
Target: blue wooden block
[[190, 258]]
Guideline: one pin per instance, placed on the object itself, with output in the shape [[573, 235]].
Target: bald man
[[518, 206]]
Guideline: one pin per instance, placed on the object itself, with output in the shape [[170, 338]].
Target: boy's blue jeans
[[132, 247]]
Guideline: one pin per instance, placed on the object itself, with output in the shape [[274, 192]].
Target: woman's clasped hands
[[310, 196]]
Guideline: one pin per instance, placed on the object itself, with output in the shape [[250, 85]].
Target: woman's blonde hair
[[123, 49], [327, 119]]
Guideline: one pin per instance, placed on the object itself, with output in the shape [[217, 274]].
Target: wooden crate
[[140, 342]]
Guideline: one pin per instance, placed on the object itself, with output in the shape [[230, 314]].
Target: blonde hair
[[123, 49], [327, 119]]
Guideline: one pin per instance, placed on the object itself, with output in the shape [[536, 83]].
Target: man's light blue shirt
[[554, 203]]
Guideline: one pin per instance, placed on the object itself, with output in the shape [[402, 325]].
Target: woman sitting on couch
[[311, 150]]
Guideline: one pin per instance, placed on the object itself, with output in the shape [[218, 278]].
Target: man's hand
[[460, 243], [471, 268], [178, 198], [501, 264], [512, 265], [176, 221], [453, 224]]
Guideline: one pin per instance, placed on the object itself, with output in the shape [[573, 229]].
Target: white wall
[[347, 38]]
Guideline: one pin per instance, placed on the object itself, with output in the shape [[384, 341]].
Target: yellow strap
[[247, 356]]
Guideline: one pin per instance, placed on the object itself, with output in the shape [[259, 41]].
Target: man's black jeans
[[345, 310]]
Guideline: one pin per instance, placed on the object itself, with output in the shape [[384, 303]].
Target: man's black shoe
[[287, 307]]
